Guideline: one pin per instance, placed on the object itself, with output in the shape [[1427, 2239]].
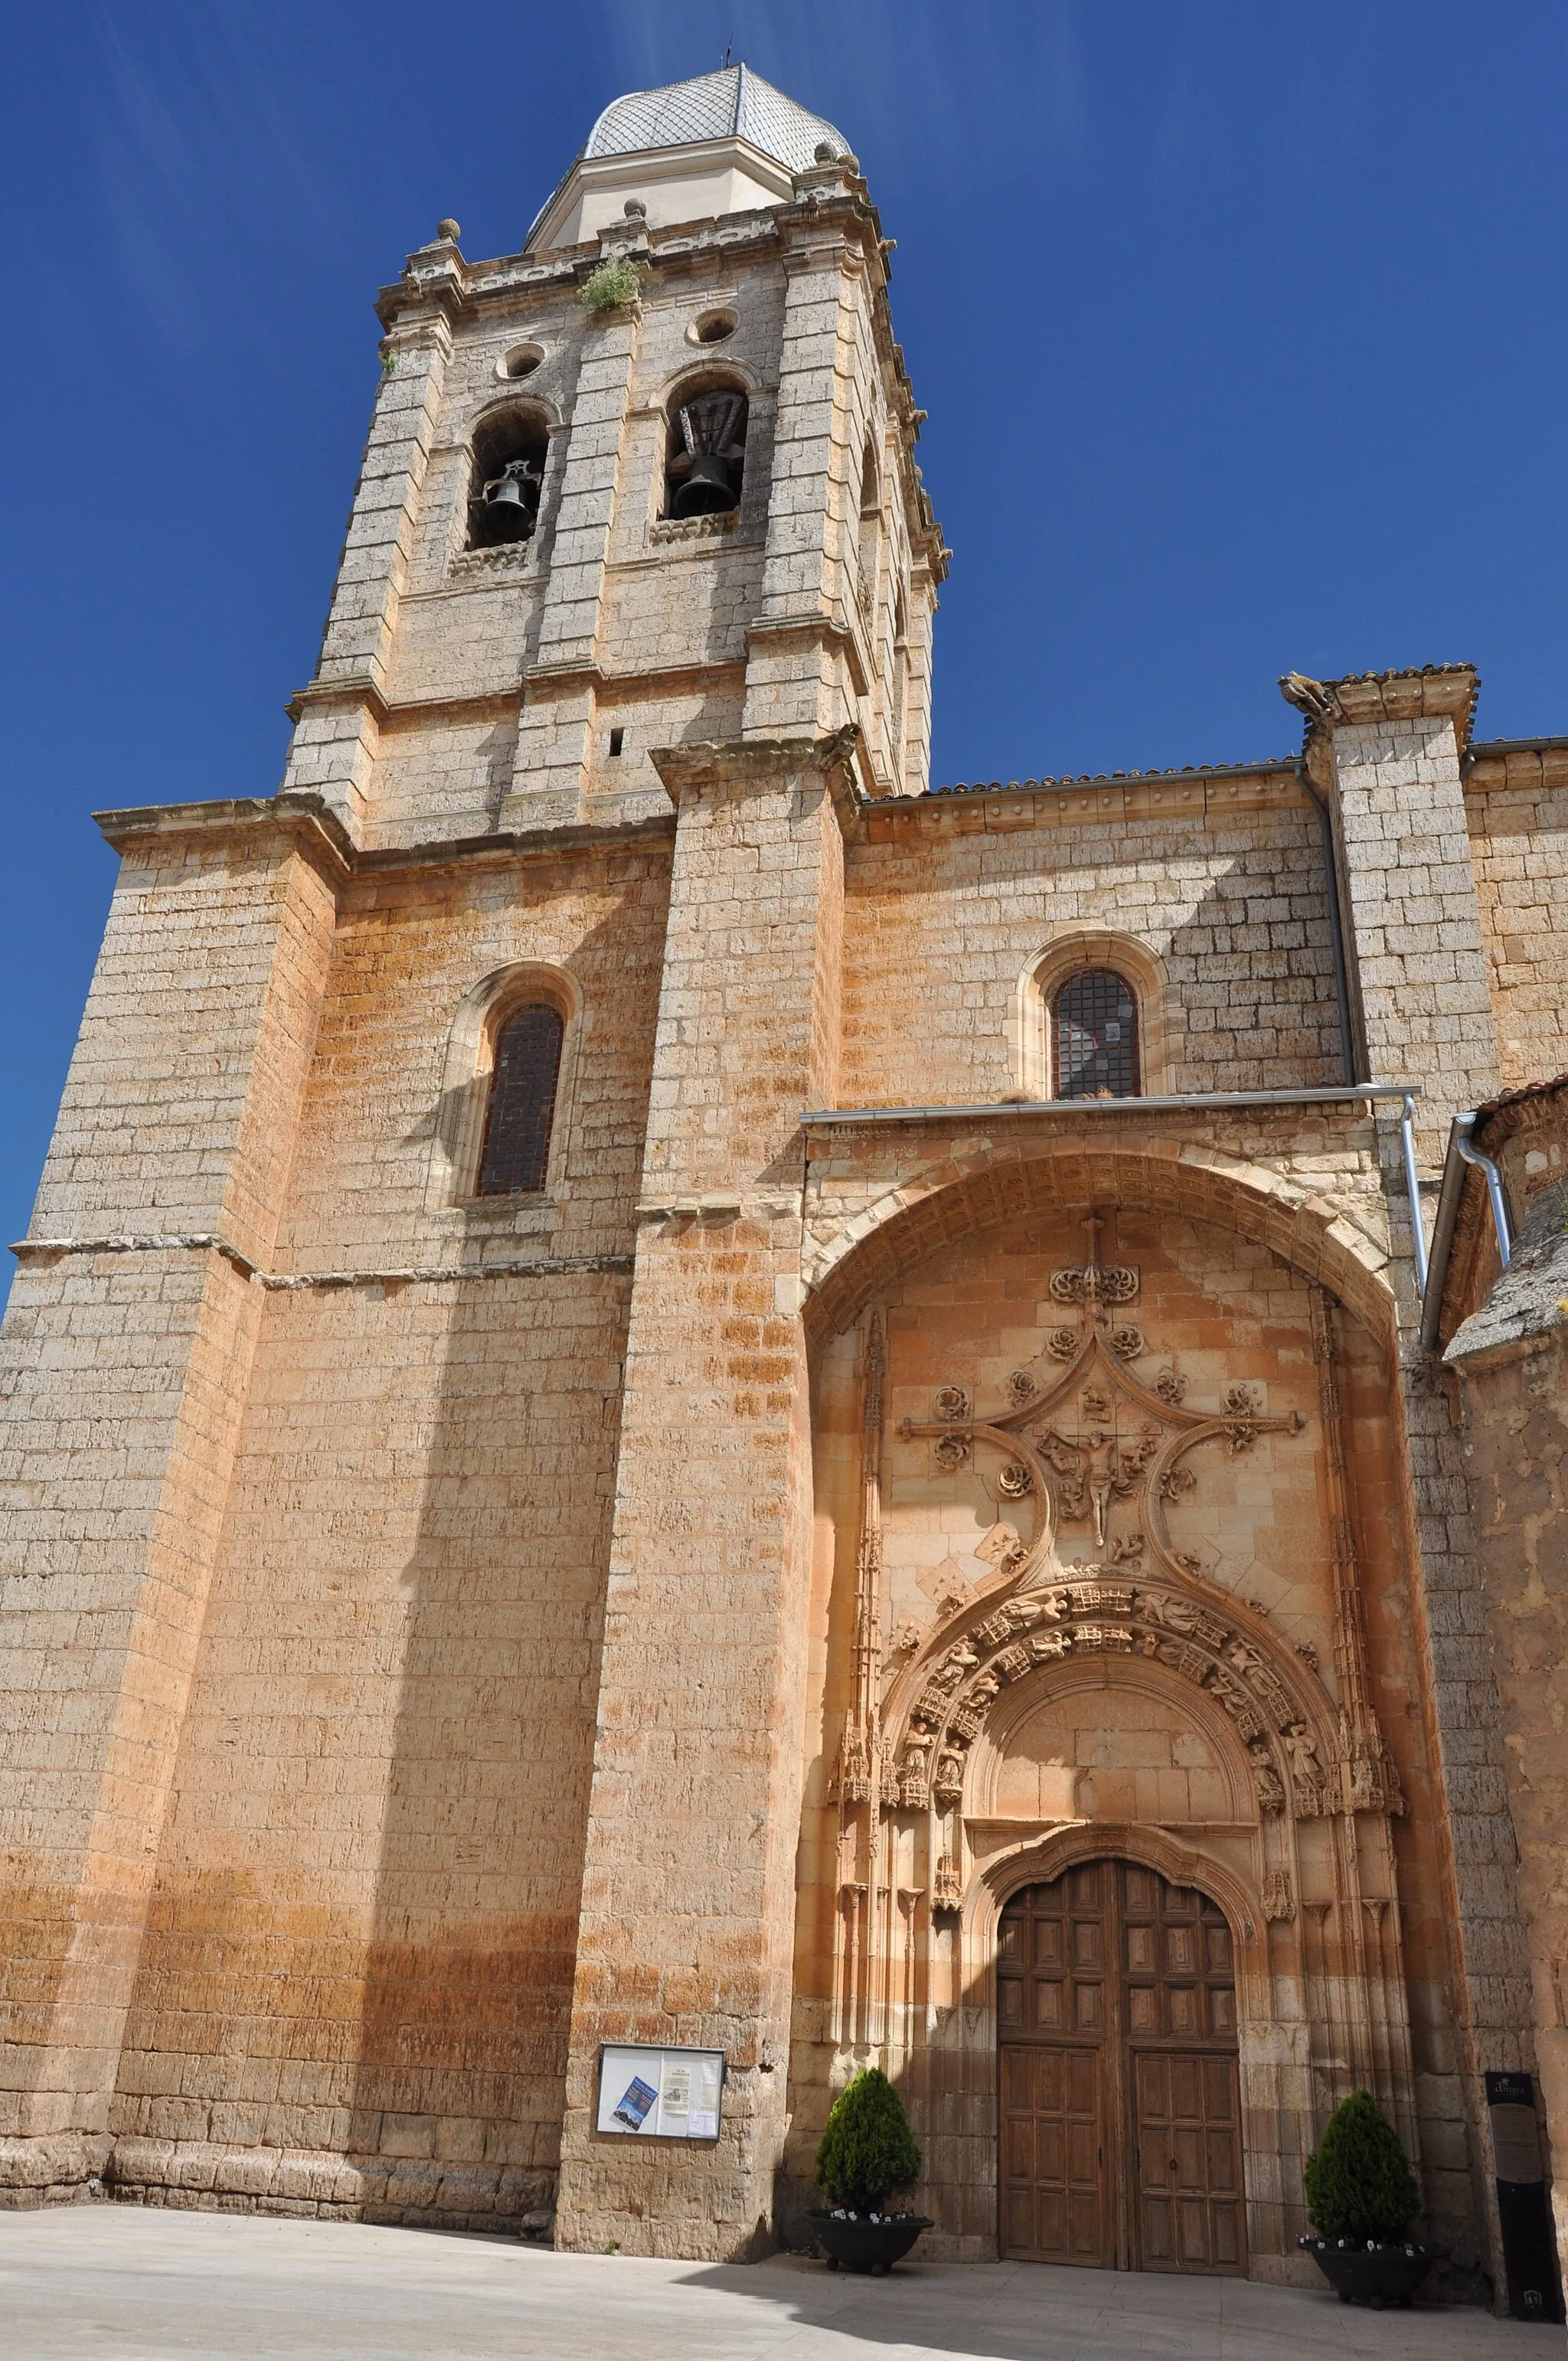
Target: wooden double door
[[1120, 2096]]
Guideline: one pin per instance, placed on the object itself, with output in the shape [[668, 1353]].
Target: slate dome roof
[[734, 102]]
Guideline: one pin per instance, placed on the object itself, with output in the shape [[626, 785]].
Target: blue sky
[[1241, 328]]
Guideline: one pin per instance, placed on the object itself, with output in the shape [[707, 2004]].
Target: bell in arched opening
[[708, 456], [511, 501], [508, 478]]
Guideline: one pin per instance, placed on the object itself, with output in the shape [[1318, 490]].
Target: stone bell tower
[[633, 611], [710, 271]]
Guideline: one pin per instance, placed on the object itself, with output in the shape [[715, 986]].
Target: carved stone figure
[[1089, 1469], [952, 1403], [947, 1887], [1306, 1772], [1163, 1608], [912, 1789], [1236, 1702], [1270, 1788]]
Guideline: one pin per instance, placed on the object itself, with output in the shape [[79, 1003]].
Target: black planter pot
[[1375, 2275], [862, 2245]]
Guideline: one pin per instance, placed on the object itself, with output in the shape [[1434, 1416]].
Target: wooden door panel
[[1111, 1981], [1188, 2149], [1053, 2141]]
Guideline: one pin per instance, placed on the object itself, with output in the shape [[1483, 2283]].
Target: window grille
[[1094, 1037], [522, 1109]]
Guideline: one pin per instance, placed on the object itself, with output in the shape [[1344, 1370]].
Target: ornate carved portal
[[1112, 1595]]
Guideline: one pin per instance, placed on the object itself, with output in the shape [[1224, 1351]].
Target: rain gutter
[[1460, 1153]]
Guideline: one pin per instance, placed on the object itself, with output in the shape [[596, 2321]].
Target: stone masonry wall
[[689, 1892], [1517, 807], [124, 1381], [951, 901], [370, 1876]]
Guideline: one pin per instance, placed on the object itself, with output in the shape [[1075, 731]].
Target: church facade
[[672, 1390]]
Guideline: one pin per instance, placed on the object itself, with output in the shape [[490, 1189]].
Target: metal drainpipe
[[1460, 1153], [1336, 926], [1413, 1188], [1495, 1191]]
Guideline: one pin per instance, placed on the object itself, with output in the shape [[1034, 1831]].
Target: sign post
[[1524, 2212]]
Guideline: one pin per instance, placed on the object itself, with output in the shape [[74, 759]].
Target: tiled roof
[[733, 103], [1115, 778]]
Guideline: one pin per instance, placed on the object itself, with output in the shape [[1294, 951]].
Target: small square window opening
[[617, 741]]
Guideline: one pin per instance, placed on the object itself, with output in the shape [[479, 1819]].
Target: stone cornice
[[1202, 798], [1428, 693], [152, 1241], [825, 630], [308, 820], [318, 831], [745, 762], [353, 688]]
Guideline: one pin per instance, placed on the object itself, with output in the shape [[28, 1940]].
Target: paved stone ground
[[116, 2283]]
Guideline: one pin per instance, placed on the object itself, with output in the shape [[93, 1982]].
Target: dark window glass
[[522, 1102], [1094, 1037]]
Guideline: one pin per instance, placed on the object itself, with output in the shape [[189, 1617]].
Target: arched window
[[522, 1107], [509, 451], [705, 453], [1094, 1037]]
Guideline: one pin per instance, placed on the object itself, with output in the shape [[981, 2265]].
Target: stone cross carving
[[1094, 1470]]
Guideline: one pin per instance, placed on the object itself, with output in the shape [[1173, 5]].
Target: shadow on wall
[[459, 2087], [1252, 977]]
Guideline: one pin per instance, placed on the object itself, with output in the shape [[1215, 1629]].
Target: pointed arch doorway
[[1120, 2100]]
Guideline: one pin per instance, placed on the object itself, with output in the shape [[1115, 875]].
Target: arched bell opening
[[704, 461], [507, 478]]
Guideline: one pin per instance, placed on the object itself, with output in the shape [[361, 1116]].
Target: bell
[[708, 490], [509, 506]]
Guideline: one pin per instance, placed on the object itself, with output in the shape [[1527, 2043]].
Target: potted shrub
[[1361, 2194], [867, 2152]]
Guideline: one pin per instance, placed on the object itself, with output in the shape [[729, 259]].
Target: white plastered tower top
[[721, 143]]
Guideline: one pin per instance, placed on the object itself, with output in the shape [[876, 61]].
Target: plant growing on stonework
[[1359, 2186], [611, 284], [868, 2148]]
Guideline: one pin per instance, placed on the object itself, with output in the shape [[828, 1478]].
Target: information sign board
[[670, 2094]]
